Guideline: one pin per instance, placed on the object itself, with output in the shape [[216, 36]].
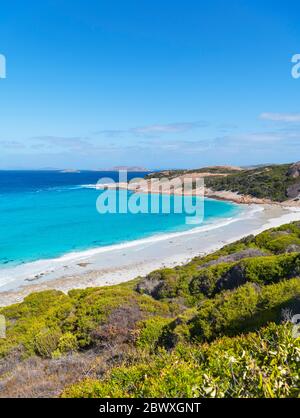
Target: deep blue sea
[[45, 214]]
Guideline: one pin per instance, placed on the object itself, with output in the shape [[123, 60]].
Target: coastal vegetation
[[274, 182], [217, 170], [219, 326]]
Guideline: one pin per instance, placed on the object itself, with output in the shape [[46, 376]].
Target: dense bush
[[264, 364], [150, 331], [270, 182], [244, 309], [260, 270], [273, 182], [198, 330], [49, 321], [279, 241]]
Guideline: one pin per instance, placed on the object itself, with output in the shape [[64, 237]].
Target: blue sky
[[98, 83]]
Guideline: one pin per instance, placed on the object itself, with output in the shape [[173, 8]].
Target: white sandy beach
[[119, 263]]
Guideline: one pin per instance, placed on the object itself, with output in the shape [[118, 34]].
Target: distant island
[[70, 170], [135, 169]]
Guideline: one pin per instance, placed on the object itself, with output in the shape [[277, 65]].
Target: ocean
[[47, 214]]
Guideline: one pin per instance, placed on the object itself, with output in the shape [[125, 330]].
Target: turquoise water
[[42, 218]]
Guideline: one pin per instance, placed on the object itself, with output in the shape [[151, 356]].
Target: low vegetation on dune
[[219, 326], [218, 170], [264, 364], [274, 182]]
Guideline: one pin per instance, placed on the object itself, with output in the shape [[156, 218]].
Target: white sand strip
[[119, 263]]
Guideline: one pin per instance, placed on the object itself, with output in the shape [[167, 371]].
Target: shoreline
[[29, 271], [104, 266], [154, 187]]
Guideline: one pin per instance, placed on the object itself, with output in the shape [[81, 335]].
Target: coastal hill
[[219, 326], [277, 183], [221, 170], [135, 169], [70, 170]]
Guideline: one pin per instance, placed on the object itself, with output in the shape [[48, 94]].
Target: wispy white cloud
[[11, 144], [281, 117], [155, 130], [264, 141], [71, 143], [111, 133], [168, 128]]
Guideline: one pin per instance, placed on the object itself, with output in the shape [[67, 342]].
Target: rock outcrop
[[293, 191], [240, 255], [294, 170], [150, 285]]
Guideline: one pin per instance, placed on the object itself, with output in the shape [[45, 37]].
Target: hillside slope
[[273, 182], [218, 326], [276, 182]]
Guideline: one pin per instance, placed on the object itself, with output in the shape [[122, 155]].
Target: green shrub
[[67, 343], [150, 331], [278, 241], [260, 270], [272, 269], [43, 318], [264, 364], [46, 342], [187, 339], [246, 308], [177, 331], [269, 182], [205, 282]]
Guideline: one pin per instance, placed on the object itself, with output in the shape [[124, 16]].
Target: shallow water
[[47, 214]]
